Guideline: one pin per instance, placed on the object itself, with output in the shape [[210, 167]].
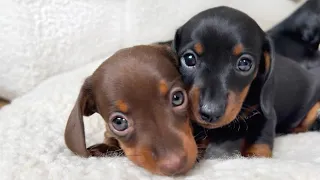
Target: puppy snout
[[173, 164], [211, 113]]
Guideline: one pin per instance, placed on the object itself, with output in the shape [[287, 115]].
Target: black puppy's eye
[[189, 59], [119, 123], [177, 98], [244, 63]]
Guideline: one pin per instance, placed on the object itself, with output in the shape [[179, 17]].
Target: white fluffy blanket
[[32, 144]]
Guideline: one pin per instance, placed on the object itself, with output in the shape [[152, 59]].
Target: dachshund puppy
[[298, 36], [139, 94], [231, 68]]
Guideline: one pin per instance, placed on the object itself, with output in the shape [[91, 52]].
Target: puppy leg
[[259, 141], [308, 120], [110, 147], [256, 150]]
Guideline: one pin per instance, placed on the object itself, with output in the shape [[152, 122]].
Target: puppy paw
[[101, 150], [299, 129], [257, 150]]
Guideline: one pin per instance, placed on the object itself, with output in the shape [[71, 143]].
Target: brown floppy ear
[[266, 73], [74, 133]]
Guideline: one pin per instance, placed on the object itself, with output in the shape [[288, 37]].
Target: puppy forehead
[[222, 27], [222, 39], [135, 75], [136, 85]]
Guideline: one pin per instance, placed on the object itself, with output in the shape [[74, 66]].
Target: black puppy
[[298, 36], [230, 65]]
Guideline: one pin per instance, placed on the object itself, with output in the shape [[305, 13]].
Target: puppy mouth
[[174, 162], [233, 108], [190, 150]]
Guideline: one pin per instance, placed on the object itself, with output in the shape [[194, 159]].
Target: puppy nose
[[173, 164], [210, 114]]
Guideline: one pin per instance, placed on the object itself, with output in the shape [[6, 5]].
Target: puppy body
[[298, 36], [139, 94], [293, 103], [231, 67]]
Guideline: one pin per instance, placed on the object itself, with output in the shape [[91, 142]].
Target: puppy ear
[[176, 41], [167, 51], [266, 73], [74, 133]]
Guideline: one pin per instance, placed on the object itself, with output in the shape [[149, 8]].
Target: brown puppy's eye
[[119, 123], [189, 58], [177, 98], [244, 63]]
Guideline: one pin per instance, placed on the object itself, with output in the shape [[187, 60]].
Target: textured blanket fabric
[[41, 38], [32, 145]]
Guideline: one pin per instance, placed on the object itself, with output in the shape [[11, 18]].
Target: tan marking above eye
[[237, 49], [198, 47], [163, 87], [122, 106], [267, 62]]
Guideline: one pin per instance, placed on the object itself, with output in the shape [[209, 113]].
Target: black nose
[[210, 114]]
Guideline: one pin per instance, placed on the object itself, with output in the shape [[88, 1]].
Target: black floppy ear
[[74, 133], [266, 72], [176, 41], [174, 48]]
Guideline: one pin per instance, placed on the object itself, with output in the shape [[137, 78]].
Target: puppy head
[[305, 25], [221, 51], [140, 95]]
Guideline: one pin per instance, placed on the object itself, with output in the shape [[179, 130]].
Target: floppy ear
[[166, 48], [173, 49], [74, 133], [176, 41], [266, 71]]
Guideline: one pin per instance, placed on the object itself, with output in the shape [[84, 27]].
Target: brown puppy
[[139, 94]]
